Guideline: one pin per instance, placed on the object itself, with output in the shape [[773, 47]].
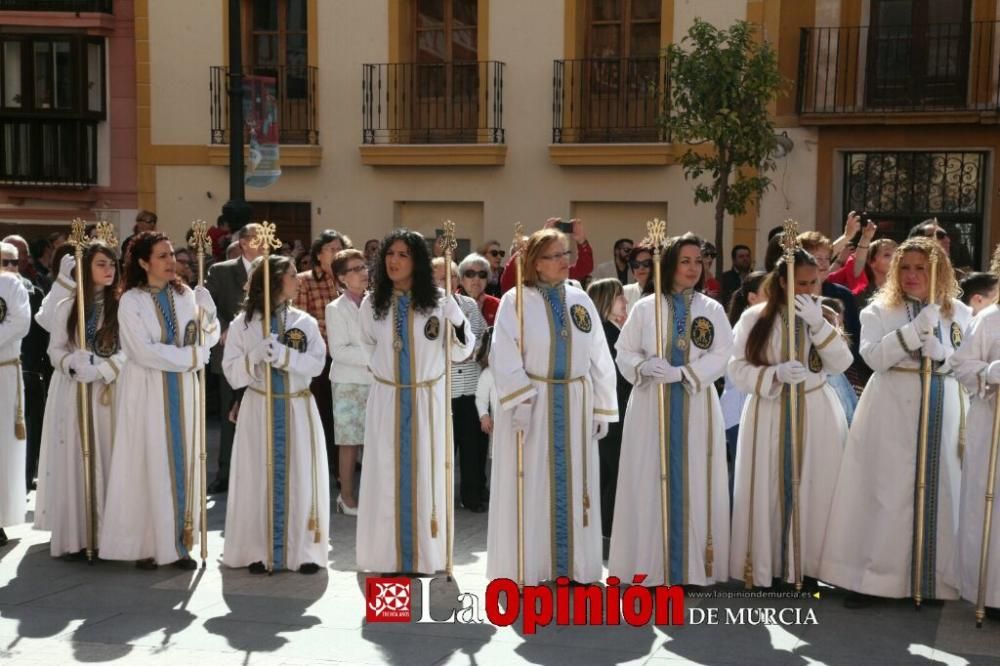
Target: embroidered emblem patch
[[106, 346], [3, 311], [956, 335], [702, 332], [296, 339], [581, 318], [190, 334], [815, 362], [432, 329]]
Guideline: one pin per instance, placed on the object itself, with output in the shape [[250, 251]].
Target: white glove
[[810, 310], [66, 267], [993, 373], [932, 348], [600, 429], [453, 312], [202, 354], [204, 300], [522, 416], [81, 369], [79, 358], [660, 371], [927, 320], [275, 349], [791, 372], [259, 353]]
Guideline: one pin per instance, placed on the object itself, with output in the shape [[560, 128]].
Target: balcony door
[[276, 45], [918, 54], [622, 71], [444, 78]]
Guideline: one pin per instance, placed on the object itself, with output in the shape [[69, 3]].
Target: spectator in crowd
[[712, 288], [732, 279], [41, 259], [186, 269], [233, 250], [25, 266], [473, 276], [303, 262], [220, 235], [617, 267], [960, 259], [577, 271], [494, 254], [979, 290], [145, 220], [641, 263], [371, 250], [877, 261]]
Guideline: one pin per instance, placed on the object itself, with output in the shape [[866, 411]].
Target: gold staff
[[448, 243], [518, 248], [266, 240], [791, 245], [925, 401], [656, 230], [78, 238], [202, 244], [991, 482]]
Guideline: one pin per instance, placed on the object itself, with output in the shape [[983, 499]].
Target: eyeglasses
[[645, 263], [356, 269], [9, 262], [556, 257], [940, 234], [498, 253], [482, 275]]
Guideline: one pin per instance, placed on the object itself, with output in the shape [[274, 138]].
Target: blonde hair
[[537, 243], [891, 294], [438, 262], [812, 240], [603, 293]]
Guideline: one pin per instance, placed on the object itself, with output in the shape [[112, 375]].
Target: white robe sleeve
[[343, 349], [236, 355], [483, 388], [366, 321], [310, 362], [47, 311], [883, 349], [629, 346], [972, 359], [602, 372], [832, 348], [753, 379], [111, 366], [18, 320], [710, 366], [512, 382], [142, 349], [59, 345], [461, 350]]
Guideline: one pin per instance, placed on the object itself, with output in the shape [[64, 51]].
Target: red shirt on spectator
[[845, 277]]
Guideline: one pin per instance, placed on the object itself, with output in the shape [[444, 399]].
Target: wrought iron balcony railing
[[899, 69], [455, 102], [610, 100], [102, 6], [48, 152], [295, 92]]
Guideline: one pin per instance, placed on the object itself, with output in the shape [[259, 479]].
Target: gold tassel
[[748, 574], [434, 526], [586, 500], [188, 534], [316, 538], [19, 432], [586, 521], [709, 558], [312, 522]]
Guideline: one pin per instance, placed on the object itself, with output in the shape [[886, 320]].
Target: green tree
[[721, 82]]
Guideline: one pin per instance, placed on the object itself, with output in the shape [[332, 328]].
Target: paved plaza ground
[[54, 611]]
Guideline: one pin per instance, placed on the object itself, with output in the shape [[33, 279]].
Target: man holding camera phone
[[581, 265]]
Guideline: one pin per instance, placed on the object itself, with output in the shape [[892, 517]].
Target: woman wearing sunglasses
[[641, 263], [494, 254], [473, 276]]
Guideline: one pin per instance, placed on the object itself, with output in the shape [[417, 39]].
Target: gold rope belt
[[918, 371], [584, 434], [304, 393], [19, 431], [430, 420]]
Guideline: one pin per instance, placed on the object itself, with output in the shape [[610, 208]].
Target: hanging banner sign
[[260, 112]]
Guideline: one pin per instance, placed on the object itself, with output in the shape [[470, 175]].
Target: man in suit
[[226, 282]]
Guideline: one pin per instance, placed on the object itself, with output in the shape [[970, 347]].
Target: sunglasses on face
[[645, 263], [9, 262], [940, 234], [482, 275], [498, 253], [356, 269]]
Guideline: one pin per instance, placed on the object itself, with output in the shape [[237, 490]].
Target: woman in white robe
[[98, 366], [977, 366], [151, 509], [870, 536], [300, 482], [560, 390], [762, 546], [15, 320], [401, 507], [697, 342]]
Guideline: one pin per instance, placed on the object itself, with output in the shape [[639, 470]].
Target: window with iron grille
[[900, 189]]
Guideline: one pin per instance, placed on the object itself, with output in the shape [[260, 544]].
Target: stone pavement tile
[[38, 652], [129, 599], [36, 622], [530, 652], [957, 633]]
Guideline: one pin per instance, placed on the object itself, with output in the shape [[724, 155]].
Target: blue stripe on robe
[[176, 443], [932, 470], [560, 435], [280, 469], [676, 444], [404, 499]]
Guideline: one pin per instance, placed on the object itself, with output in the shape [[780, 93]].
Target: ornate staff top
[[265, 238], [199, 239], [78, 233], [519, 242], [656, 233], [790, 237], [447, 240]]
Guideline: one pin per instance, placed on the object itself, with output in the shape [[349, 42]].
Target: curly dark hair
[[277, 266], [141, 247], [108, 332], [423, 290]]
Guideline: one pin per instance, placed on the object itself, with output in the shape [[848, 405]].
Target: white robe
[[698, 483], [869, 544], [155, 474], [980, 347], [402, 480], [61, 471], [561, 465], [762, 489], [15, 320], [302, 493]]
